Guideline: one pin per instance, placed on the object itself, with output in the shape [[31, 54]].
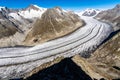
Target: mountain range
[[35, 24], [103, 64], [54, 22], [89, 12], [14, 23]]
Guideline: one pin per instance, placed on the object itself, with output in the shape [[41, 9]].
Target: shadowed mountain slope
[[65, 70]]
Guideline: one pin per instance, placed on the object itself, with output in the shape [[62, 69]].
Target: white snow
[[32, 13], [88, 11], [15, 16], [84, 39], [1, 7], [40, 8], [79, 13], [92, 10]]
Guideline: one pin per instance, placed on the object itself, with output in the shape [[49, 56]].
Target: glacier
[[15, 62]]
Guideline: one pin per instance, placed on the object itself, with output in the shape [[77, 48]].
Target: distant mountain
[[53, 23], [111, 16], [89, 12]]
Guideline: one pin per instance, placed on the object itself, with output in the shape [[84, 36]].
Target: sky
[[65, 4]]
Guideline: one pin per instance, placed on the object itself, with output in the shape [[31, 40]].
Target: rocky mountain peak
[[58, 8], [32, 11], [1, 8], [90, 12], [53, 23], [5, 9], [53, 13], [117, 6], [14, 22], [34, 7]]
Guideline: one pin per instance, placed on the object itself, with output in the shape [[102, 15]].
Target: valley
[[67, 46], [35, 42]]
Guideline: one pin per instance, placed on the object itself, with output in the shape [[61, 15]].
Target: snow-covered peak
[[89, 9], [40, 8], [33, 11], [88, 12], [92, 10], [1, 8], [35, 7]]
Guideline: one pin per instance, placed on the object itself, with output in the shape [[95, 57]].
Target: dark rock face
[[65, 70], [112, 16]]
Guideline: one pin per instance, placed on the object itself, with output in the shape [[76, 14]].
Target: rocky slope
[[107, 57], [111, 16], [7, 28], [54, 23], [33, 26], [15, 23]]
